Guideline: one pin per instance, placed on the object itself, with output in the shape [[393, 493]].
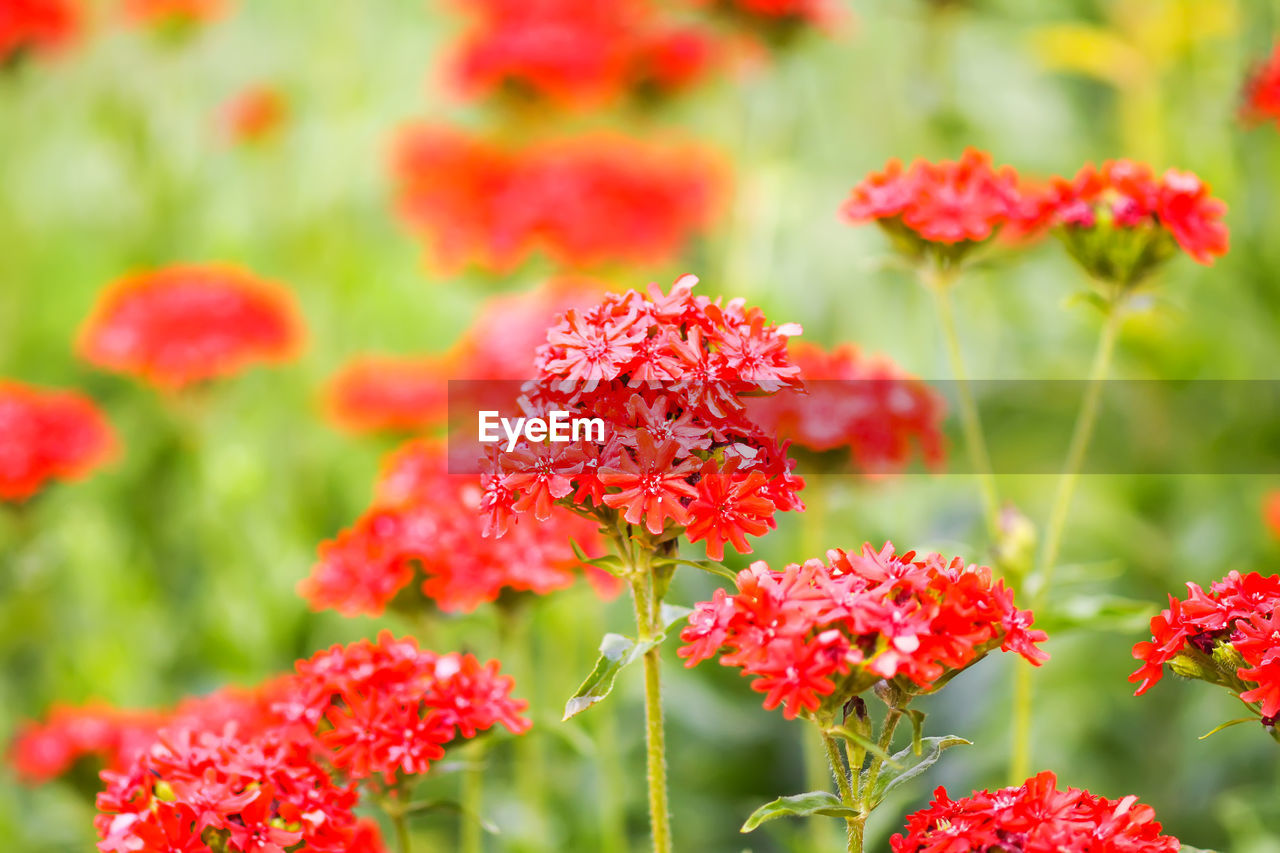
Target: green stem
[[838, 769], [471, 832], [517, 641], [1023, 692], [648, 607], [939, 283], [404, 842], [886, 740]]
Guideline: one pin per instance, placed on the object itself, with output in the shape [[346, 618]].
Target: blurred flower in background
[[48, 435], [1261, 101], [174, 13], [254, 115], [36, 25]]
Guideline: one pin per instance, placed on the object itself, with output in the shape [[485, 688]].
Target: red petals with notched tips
[[584, 202], [1229, 633], [816, 633], [48, 435], [185, 324], [1034, 817], [668, 374]]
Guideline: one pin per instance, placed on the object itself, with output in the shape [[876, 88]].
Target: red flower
[[948, 203], [1142, 220], [1262, 91], [253, 115], [185, 324], [577, 53], [585, 202], [427, 520], [1229, 635], [817, 634], [867, 406], [45, 751], [1034, 817], [47, 435], [174, 11], [42, 25], [669, 375], [377, 393]]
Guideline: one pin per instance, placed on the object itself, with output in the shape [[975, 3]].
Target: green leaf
[[800, 805], [865, 742], [1187, 848], [1098, 612], [616, 652], [911, 765], [709, 566], [609, 563], [454, 807], [673, 613], [1227, 725]]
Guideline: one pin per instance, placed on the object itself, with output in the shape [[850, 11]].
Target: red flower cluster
[[1262, 91], [253, 115], [819, 634], [390, 393], [45, 751], [867, 406], [584, 202], [185, 324], [1229, 635], [1127, 197], [948, 203], [667, 374], [36, 25], [165, 12], [578, 53], [47, 435], [427, 518], [280, 768], [1034, 817]]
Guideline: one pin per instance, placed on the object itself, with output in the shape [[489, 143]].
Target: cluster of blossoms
[[1119, 221], [579, 53], [667, 373], [1262, 91], [584, 201], [410, 393], [185, 324], [1034, 817], [427, 519], [36, 25], [818, 634], [254, 115], [46, 435], [1228, 635], [866, 407], [281, 766]]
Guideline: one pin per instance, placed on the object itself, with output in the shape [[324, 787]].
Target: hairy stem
[[648, 610], [939, 284], [841, 772], [471, 832], [886, 740]]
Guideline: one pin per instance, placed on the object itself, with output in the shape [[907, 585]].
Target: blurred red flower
[[1262, 91], [426, 519], [253, 115], [389, 393], [46, 435], [40, 25], [585, 202], [1229, 635], [867, 406], [578, 53], [1271, 513], [185, 324], [819, 634], [1034, 817], [163, 12], [44, 751]]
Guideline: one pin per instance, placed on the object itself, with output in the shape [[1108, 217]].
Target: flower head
[[1261, 102], [1227, 635], [253, 115], [39, 25], [668, 375], [584, 202], [1121, 223], [48, 435], [944, 208], [388, 393], [813, 636], [428, 521], [185, 324], [1034, 817]]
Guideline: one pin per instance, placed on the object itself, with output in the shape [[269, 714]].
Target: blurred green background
[[173, 571]]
